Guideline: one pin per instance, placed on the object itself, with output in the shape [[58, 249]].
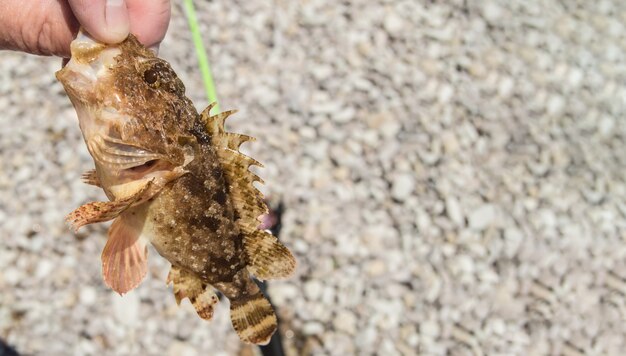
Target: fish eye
[[151, 76]]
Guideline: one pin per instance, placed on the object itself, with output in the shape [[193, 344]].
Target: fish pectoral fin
[[95, 212], [125, 257], [267, 258], [90, 177], [201, 295], [100, 211]]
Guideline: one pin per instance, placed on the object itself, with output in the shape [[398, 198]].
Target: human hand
[[47, 27]]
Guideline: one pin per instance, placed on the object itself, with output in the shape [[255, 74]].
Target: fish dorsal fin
[[267, 258], [247, 199]]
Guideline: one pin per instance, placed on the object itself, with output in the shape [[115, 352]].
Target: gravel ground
[[453, 176]]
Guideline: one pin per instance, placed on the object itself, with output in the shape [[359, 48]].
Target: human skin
[[46, 27]]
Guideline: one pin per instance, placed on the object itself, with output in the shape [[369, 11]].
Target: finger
[[37, 27], [149, 20], [105, 20]]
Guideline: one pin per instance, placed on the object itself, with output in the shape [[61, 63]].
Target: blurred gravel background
[[453, 175]]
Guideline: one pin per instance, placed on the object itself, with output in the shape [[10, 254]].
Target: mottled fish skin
[[192, 221], [175, 179]]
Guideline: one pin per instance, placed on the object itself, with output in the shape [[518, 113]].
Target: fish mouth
[[89, 64]]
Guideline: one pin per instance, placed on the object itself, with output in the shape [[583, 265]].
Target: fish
[[175, 179]]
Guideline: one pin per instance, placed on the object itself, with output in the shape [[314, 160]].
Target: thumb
[[105, 20]]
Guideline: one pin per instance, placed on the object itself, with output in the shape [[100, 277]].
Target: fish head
[[132, 112]]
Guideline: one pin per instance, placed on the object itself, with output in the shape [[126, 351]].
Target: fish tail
[[253, 318], [251, 314]]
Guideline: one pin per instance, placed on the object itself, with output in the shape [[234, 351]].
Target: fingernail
[[155, 49], [116, 18]]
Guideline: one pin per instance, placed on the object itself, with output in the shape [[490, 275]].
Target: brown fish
[[175, 179]]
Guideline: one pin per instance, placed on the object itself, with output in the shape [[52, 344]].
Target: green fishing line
[[203, 60]]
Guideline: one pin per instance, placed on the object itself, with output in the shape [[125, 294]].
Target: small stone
[[376, 268], [498, 326], [393, 23], [345, 115], [390, 128], [513, 238], [505, 88], [281, 293], [453, 209], [430, 328], [575, 77], [423, 221], [606, 126], [482, 217], [126, 308], [308, 132], [345, 321], [12, 276], [179, 348], [492, 12], [313, 328], [44, 267], [445, 93], [450, 142], [313, 289], [402, 186], [87, 296], [465, 264], [556, 105]]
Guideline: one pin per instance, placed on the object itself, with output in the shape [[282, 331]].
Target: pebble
[[492, 12], [482, 217], [12, 275], [450, 142], [88, 296], [393, 23], [345, 321], [313, 289], [513, 239], [505, 88], [430, 328], [345, 115], [606, 126], [556, 105], [179, 348], [403, 185], [44, 268], [313, 328], [454, 211], [126, 308], [390, 128]]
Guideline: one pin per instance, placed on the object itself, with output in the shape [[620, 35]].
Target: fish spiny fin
[[125, 257], [247, 199], [201, 295], [90, 177], [100, 211], [267, 257]]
